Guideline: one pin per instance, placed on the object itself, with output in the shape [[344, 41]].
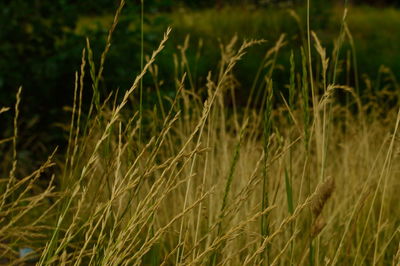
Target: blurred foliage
[[380, 3], [30, 32], [41, 42], [375, 38], [40, 50], [39, 46]]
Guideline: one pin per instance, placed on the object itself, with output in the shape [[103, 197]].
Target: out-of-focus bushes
[[380, 3], [40, 50]]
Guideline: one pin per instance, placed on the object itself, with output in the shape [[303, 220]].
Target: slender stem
[[141, 69], [313, 101]]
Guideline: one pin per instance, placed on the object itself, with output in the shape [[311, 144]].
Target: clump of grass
[[201, 182]]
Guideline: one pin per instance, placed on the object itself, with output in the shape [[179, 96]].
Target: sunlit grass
[[296, 176]]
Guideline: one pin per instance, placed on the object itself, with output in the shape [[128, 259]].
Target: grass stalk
[[266, 146], [141, 69]]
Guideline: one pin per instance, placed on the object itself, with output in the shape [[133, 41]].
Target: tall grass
[[203, 181]]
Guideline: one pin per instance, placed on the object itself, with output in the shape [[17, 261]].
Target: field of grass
[[304, 176]]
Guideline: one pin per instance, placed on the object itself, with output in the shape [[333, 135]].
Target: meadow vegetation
[[303, 175]]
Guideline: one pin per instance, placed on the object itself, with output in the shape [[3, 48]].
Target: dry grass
[[193, 190]]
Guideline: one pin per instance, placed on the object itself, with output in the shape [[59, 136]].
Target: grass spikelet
[[323, 193], [317, 226]]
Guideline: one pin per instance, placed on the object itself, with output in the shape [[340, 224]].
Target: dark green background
[[40, 50]]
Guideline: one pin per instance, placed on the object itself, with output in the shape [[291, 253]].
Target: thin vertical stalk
[[141, 69], [311, 256], [265, 186], [288, 172], [12, 178]]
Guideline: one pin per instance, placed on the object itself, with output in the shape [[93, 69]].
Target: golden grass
[[191, 191]]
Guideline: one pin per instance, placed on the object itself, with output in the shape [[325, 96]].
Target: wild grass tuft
[[291, 177]]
